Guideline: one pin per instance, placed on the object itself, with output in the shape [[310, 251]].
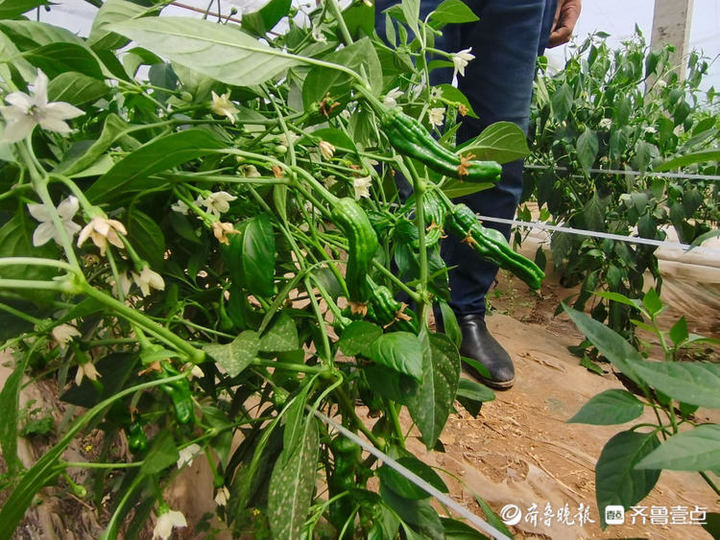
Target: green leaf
[[652, 302], [162, 454], [9, 54], [399, 351], [235, 356], [57, 58], [73, 162], [694, 450], [621, 298], [450, 324], [502, 142], [295, 424], [616, 480], [417, 513], [452, 12], [281, 337], [131, 173], [359, 337], [703, 156], [13, 8], [454, 188], [76, 88], [292, 484], [9, 406], [608, 408], [472, 394], [431, 406], [587, 148], [457, 530], [562, 101], [712, 524], [679, 331], [611, 345], [219, 51], [321, 80], [265, 19], [111, 12], [491, 517], [390, 384], [258, 256], [403, 487], [411, 12], [147, 237], [696, 383]]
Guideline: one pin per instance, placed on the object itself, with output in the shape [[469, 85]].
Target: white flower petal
[[18, 130], [68, 208], [40, 89], [20, 100], [39, 212], [54, 124], [43, 234], [62, 110]]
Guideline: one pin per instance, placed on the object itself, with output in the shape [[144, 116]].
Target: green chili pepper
[[410, 138], [180, 394], [491, 245], [137, 440], [362, 245]]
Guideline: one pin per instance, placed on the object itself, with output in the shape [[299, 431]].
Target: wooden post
[[671, 24]]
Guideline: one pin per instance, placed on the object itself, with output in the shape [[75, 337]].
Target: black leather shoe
[[491, 363]]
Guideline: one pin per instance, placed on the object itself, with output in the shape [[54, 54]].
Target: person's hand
[[566, 16]]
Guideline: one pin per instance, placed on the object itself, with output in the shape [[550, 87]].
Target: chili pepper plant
[[202, 244]]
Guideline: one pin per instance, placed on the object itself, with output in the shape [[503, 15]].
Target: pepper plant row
[[203, 218]]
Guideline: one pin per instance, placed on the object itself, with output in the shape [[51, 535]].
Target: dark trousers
[[506, 42]]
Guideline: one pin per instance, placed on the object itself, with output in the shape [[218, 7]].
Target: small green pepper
[[410, 138]]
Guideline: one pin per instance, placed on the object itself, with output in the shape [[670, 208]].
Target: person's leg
[[498, 83]]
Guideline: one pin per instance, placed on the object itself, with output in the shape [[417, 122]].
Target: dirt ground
[[520, 450]]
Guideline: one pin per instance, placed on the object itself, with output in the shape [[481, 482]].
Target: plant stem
[[349, 409], [299, 368], [195, 355], [91, 465], [335, 8]]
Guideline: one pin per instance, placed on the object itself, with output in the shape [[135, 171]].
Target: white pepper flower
[[326, 149], [27, 111], [166, 522], [605, 123], [436, 116], [46, 230], [187, 455], [222, 106], [180, 207], [64, 333], [86, 370], [148, 279], [361, 186], [461, 59], [102, 230], [217, 203], [390, 100]]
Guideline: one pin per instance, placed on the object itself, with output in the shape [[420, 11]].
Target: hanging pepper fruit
[[137, 440], [410, 138], [491, 245], [362, 245], [180, 394], [387, 311]]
